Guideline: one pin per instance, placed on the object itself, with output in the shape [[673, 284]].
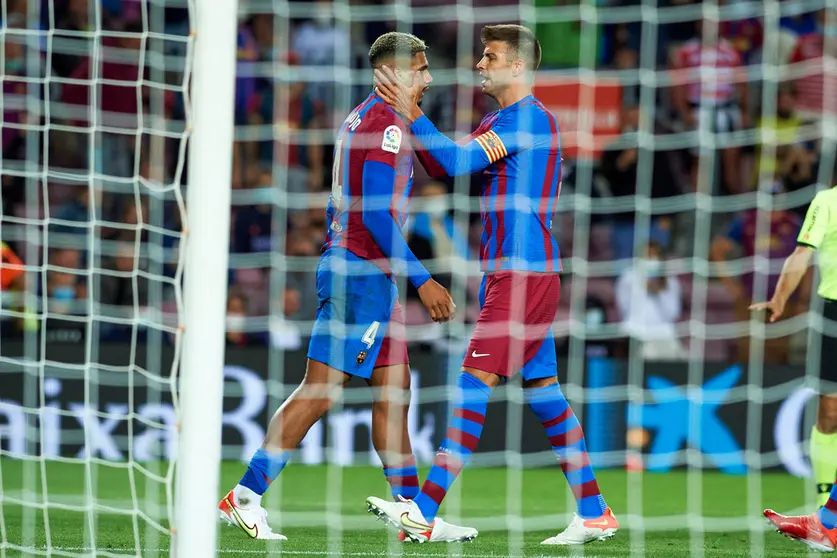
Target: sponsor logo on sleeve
[[392, 139]]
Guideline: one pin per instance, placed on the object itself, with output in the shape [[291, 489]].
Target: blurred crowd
[[86, 169]]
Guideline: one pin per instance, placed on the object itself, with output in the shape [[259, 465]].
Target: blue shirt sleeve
[[510, 134], [378, 181]]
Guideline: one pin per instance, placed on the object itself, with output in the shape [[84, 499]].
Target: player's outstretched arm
[[796, 265], [454, 159], [378, 182]]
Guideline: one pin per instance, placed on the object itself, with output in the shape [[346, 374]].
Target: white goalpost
[[126, 406], [95, 406], [206, 237]]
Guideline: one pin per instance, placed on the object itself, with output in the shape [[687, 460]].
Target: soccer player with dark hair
[[517, 150], [359, 328]]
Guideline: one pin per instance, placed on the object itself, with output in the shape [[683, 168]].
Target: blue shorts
[[359, 324]]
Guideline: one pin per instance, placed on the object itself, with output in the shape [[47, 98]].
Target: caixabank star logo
[[682, 417]]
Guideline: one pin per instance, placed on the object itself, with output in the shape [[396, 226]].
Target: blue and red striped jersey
[[518, 150], [371, 132]]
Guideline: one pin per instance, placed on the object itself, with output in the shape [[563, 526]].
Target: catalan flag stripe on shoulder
[[492, 145]]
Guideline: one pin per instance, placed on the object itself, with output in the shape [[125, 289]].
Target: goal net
[[94, 140], [694, 136]]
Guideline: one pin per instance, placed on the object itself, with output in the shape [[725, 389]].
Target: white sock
[[246, 498]]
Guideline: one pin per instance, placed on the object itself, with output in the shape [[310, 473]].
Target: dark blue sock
[[263, 469]]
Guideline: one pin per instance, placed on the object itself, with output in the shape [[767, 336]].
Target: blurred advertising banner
[[588, 113], [668, 422]]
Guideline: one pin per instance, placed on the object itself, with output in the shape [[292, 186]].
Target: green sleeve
[[816, 223]]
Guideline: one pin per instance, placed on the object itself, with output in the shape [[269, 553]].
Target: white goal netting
[[694, 136], [94, 117]]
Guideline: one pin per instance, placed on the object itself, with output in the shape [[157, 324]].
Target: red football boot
[[806, 528]]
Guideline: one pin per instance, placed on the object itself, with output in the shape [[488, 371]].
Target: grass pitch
[[323, 513]]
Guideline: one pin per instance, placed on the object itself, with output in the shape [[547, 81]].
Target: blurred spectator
[[14, 94], [119, 283], [594, 318], [797, 168], [262, 28], [568, 43], [253, 223], [71, 22], [297, 114], [620, 167], [746, 35], [720, 104], [319, 42], [64, 288], [780, 129], [12, 283], [131, 219], [285, 334], [304, 281], [626, 59], [800, 24], [649, 306], [76, 210], [749, 236], [118, 79], [11, 269], [246, 100], [237, 314], [817, 67]]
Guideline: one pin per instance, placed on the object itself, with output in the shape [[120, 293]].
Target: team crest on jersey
[[361, 356], [392, 139]]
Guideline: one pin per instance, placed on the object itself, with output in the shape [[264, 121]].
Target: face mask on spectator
[[653, 268], [236, 322], [594, 318], [64, 292]]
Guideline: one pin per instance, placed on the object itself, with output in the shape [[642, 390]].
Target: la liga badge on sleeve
[[392, 139]]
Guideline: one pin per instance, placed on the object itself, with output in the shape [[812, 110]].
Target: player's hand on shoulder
[[402, 98], [437, 300]]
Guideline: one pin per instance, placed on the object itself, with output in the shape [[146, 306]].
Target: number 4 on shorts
[[369, 335]]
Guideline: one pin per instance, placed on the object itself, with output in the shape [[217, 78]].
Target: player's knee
[[827, 414], [391, 396], [539, 382], [318, 395], [391, 385], [490, 379]]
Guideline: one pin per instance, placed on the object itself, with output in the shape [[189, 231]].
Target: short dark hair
[[392, 44], [522, 42]]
